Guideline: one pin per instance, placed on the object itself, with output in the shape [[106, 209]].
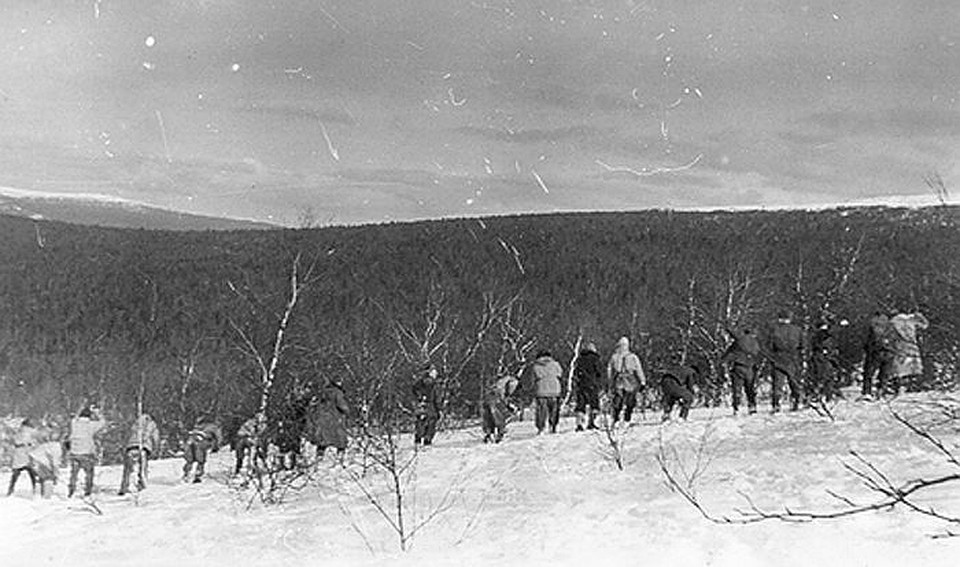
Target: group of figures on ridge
[[891, 360], [610, 392]]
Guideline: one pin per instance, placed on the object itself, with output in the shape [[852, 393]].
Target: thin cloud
[[806, 140], [326, 115], [893, 122], [409, 177], [531, 136]]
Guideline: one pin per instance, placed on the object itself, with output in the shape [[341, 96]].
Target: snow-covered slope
[[531, 500], [108, 210]]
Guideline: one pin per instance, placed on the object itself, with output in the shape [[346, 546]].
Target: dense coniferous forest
[[190, 320]]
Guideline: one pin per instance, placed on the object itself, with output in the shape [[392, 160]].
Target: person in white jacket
[[83, 429], [626, 378], [24, 441], [906, 368], [143, 442], [545, 379]]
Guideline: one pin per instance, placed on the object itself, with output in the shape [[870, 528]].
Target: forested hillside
[[191, 319]]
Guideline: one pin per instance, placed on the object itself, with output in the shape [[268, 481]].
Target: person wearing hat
[[497, 406], [877, 354], [906, 368], [83, 430], [247, 445], [785, 348], [24, 441], [824, 362], [741, 360], [426, 406], [676, 386], [143, 441], [45, 459], [203, 438], [626, 378], [544, 377], [587, 382], [329, 420]]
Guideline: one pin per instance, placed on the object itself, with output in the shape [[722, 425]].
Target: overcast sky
[[366, 110]]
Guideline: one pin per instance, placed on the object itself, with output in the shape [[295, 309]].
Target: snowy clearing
[[547, 500]]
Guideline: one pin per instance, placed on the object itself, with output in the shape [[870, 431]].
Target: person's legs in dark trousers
[[494, 421], [127, 469], [668, 400], [686, 400], [499, 421], [872, 364], [419, 429], [87, 464], [190, 457], [541, 414], [737, 385], [430, 429], [828, 382], [78, 463], [750, 389], [74, 471], [585, 399], [617, 403], [885, 378], [629, 402], [142, 457], [240, 450], [487, 421], [15, 474], [581, 408], [796, 389], [200, 454], [553, 407], [777, 378], [593, 400]]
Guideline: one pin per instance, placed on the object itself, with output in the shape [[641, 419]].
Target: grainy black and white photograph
[[479, 282]]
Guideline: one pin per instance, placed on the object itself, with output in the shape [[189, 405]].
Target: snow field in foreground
[[531, 500]]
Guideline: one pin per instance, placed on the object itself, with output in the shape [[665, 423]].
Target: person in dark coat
[[203, 438], [824, 363], [330, 418], [587, 383], [877, 353], [785, 353], [426, 406], [741, 360], [676, 386], [289, 428], [497, 406]]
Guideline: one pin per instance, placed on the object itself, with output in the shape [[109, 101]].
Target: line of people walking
[[614, 389]]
